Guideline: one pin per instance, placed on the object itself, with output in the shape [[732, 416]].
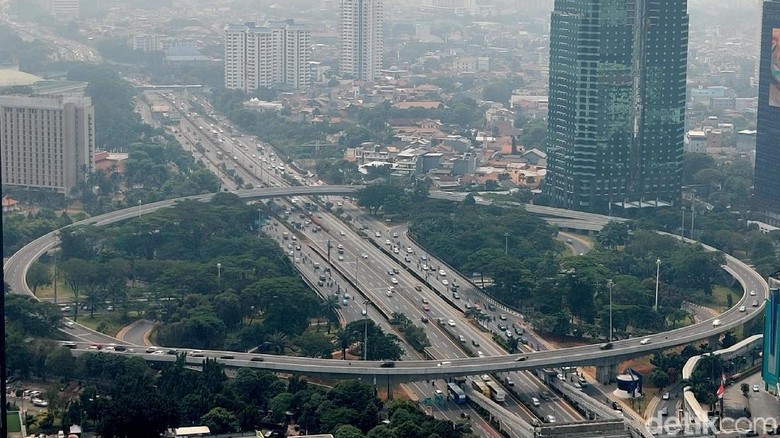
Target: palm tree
[[329, 307], [343, 339], [276, 341]]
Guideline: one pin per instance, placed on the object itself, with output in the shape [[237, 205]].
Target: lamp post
[[657, 277], [365, 330], [609, 285], [682, 228], [506, 243], [693, 213], [139, 208], [219, 275]]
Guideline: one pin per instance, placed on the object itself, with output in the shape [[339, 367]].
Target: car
[[409, 250], [480, 354], [755, 388], [665, 411], [389, 293], [456, 295], [475, 343], [69, 324], [755, 303], [426, 307], [66, 308], [578, 385], [425, 300], [519, 330], [644, 341], [568, 241], [468, 306], [227, 356], [462, 339], [341, 258], [423, 257], [438, 392], [388, 364], [752, 293], [71, 345], [535, 401], [197, 353], [508, 334], [342, 233], [521, 359], [742, 308], [395, 270], [442, 272], [451, 323], [394, 280], [395, 234], [424, 319], [40, 402], [110, 308], [445, 282], [501, 326], [364, 255], [256, 359], [716, 323], [665, 396], [549, 419], [345, 302], [378, 234], [387, 242], [363, 312], [424, 267], [502, 317]]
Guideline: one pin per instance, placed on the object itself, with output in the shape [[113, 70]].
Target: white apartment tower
[[65, 9], [46, 142], [264, 56], [361, 30]]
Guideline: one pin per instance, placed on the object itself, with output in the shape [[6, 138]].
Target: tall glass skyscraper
[[616, 103], [767, 176]]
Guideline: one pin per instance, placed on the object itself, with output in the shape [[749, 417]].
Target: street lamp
[[365, 330], [219, 275], [139, 208], [682, 228], [506, 243], [657, 277], [609, 285]]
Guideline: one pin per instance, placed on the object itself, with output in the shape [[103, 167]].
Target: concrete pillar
[[713, 342], [606, 373], [389, 388]]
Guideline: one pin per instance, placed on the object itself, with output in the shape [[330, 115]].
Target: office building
[[46, 142], [65, 9], [770, 366], [361, 29], [616, 103], [265, 56], [767, 172]]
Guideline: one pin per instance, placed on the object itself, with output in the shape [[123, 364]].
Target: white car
[[364, 255], [445, 282], [395, 250], [341, 258], [451, 323], [742, 308], [389, 293], [378, 234], [387, 242], [644, 341], [752, 293], [716, 323], [40, 402], [409, 250], [342, 233], [394, 280], [442, 272]]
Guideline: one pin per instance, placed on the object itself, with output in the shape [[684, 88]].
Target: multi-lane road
[[372, 265]]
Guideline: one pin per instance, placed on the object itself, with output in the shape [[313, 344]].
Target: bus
[[481, 387], [456, 394], [496, 392]]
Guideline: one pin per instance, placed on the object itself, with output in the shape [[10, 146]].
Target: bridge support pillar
[[606, 373], [713, 342], [389, 388]]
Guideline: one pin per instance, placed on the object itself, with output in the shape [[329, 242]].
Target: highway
[[407, 300]]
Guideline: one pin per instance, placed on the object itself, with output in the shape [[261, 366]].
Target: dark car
[[388, 364], [607, 346], [227, 356], [256, 359]]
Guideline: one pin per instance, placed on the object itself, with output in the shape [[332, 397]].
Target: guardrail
[[508, 422]]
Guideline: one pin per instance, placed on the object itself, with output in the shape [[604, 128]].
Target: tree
[[347, 431], [374, 196], [381, 345], [613, 234], [728, 339], [314, 345], [220, 420], [38, 275], [77, 273], [280, 404], [60, 362], [659, 378], [745, 388]]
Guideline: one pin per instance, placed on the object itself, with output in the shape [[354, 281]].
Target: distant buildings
[[767, 174], [265, 56], [616, 103], [361, 28], [65, 9], [46, 142]]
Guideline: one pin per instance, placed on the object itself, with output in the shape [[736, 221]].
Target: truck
[[480, 386]]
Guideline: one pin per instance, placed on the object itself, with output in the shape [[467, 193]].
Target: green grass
[[113, 325], [14, 425], [721, 293]]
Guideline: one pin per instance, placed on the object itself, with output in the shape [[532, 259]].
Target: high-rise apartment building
[[264, 56], [361, 29], [767, 173], [46, 142], [770, 366], [616, 103], [65, 9]]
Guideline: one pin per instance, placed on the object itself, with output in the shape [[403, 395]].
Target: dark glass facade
[[617, 102], [767, 175]]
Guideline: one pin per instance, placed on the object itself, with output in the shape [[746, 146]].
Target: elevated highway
[[408, 371]]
